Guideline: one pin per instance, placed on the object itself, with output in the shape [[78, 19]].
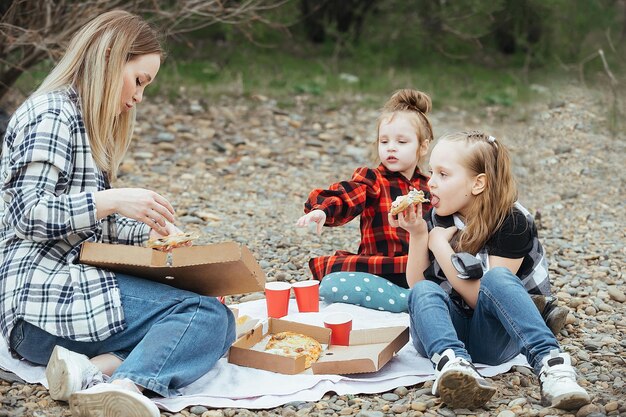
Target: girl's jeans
[[504, 322], [172, 336]]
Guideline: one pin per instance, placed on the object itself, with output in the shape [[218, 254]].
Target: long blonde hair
[[485, 155], [93, 64], [416, 105]]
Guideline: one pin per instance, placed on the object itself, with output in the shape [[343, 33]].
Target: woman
[[60, 152]]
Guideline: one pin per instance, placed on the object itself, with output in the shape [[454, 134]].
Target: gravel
[[241, 168]]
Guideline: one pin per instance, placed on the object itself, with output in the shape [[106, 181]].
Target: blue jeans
[[504, 322], [172, 337]]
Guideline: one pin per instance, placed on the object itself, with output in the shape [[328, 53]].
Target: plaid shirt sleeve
[[125, 231], [32, 189], [345, 200]]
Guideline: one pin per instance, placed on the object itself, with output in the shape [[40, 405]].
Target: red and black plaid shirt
[[383, 249]]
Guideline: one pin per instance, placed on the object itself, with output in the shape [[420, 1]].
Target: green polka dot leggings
[[363, 289]]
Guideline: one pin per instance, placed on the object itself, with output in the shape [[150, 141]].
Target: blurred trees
[[33, 30], [532, 30]]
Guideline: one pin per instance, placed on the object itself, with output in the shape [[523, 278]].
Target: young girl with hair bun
[[374, 277], [473, 261]]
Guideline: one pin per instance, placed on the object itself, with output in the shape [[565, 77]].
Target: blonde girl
[[61, 150], [473, 261], [374, 277]]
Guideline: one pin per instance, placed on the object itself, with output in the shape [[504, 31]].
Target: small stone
[[198, 410], [399, 408], [213, 413], [611, 406], [585, 410], [401, 391], [370, 413], [518, 402], [616, 294], [390, 397], [418, 406], [506, 413], [446, 412]]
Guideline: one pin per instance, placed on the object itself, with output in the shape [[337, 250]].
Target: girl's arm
[[439, 243], [417, 261], [345, 200]]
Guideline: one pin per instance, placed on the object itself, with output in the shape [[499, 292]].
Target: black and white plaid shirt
[[534, 269], [47, 209]]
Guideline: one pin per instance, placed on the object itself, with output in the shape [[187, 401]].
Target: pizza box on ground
[[215, 270], [369, 350]]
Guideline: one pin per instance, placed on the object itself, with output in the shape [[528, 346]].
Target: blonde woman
[[61, 150]]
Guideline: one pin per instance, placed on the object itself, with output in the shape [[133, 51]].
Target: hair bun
[[408, 100]]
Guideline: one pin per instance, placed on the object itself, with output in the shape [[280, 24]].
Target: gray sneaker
[[68, 372], [458, 383], [559, 388], [110, 400]]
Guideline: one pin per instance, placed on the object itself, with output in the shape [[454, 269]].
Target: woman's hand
[[315, 216], [170, 230], [136, 203], [410, 220], [440, 236]]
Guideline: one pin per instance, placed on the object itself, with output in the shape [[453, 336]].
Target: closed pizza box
[[241, 352], [369, 350], [216, 270]]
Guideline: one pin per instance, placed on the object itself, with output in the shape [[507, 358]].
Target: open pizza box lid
[[215, 270], [369, 350]]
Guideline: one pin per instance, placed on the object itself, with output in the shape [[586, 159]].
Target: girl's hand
[[315, 216], [440, 235], [136, 203], [410, 220]]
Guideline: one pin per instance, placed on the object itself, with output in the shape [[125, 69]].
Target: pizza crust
[[293, 345], [404, 201]]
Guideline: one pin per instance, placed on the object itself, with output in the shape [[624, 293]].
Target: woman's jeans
[[172, 336], [504, 322]]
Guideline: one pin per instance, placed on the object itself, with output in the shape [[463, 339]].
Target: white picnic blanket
[[228, 385]]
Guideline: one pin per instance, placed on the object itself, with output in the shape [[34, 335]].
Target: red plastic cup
[[340, 324], [277, 298], [307, 295]]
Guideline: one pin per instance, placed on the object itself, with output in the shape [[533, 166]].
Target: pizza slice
[[404, 201], [293, 345], [171, 241]]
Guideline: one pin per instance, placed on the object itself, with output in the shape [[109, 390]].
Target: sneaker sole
[[111, 404], [460, 390], [59, 376], [567, 401], [556, 319]]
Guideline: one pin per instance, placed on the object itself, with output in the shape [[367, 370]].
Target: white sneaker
[[458, 383], [559, 388], [68, 372], [110, 400]]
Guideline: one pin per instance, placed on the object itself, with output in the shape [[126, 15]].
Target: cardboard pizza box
[[369, 350], [240, 352], [218, 269]]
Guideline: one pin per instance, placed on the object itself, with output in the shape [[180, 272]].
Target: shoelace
[[560, 372], [92, 376]]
